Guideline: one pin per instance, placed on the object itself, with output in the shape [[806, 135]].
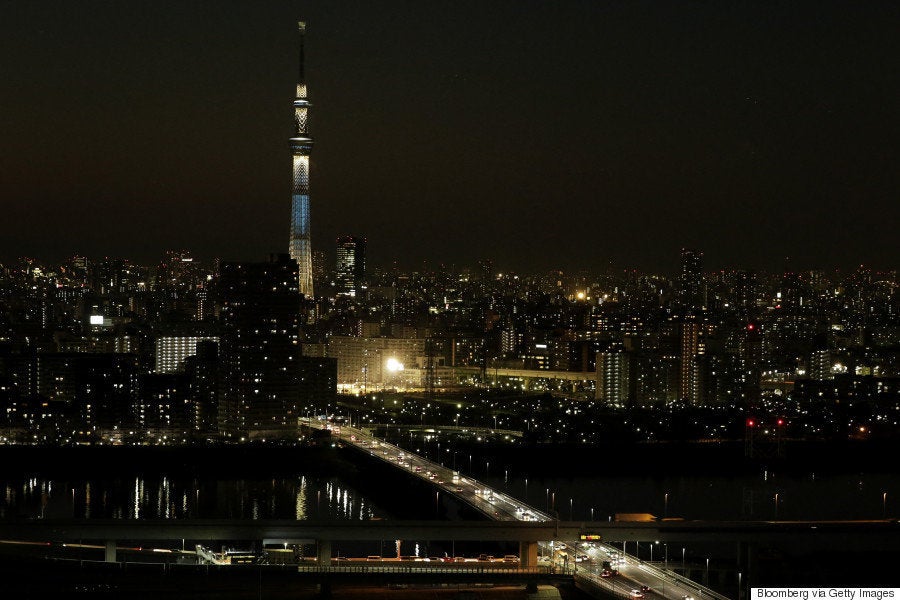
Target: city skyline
[[751, 133]]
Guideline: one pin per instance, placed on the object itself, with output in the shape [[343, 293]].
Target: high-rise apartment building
[[259, 345], [301, 145], [351, 265], [613, 377], [172, 351], [691, 347], [820, 365], [691, 288]]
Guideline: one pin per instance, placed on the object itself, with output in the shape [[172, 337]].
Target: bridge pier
[[528, 554], [110, 553], [323, 556]]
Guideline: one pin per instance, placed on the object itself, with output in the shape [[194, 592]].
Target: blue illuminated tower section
[[301, 144]]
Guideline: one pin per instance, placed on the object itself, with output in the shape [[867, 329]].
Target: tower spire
[[301, 145], [301, 75]]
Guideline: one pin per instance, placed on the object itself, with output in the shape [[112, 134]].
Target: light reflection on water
[[163, 497]]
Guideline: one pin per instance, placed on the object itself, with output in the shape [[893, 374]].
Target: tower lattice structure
[[301, 145]]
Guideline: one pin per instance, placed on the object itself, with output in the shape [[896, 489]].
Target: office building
[[351, 265]]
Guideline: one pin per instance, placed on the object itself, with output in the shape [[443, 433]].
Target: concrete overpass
[[280, 531]]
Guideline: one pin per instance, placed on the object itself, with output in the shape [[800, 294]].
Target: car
[[510, 558], [645, 588], [605, 573], [485, 557], [582, 558], [373, 557], [636, 594]]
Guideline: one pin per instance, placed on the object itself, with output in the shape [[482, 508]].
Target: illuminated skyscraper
[[351, 265], [301, 144]]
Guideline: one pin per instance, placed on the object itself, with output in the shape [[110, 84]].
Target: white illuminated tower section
[[301, 144]]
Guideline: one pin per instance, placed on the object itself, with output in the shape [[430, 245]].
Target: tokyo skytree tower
[[301, 144]]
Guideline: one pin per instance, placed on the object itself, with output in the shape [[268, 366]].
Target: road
[[629, 573]]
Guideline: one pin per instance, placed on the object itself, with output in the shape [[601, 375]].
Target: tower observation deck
[[301, 145]]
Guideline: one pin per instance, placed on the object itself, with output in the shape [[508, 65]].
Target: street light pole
[[665, 567]]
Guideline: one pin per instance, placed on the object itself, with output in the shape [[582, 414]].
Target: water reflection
[[164, 497]]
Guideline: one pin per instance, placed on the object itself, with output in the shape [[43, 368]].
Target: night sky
[[575, 134]]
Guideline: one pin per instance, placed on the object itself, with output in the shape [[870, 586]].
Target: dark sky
[[538, 133]]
